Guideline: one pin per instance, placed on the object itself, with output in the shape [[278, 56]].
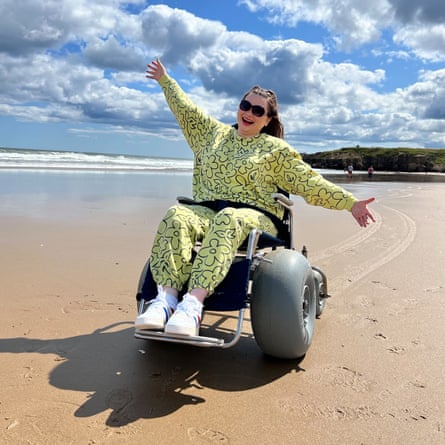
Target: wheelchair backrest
[[285, 229]]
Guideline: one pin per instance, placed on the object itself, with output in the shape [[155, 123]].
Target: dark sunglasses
[[257, 110]]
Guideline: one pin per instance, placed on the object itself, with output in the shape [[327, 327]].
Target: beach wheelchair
[[284, 293]]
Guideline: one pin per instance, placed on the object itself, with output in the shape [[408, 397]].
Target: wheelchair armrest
[[283, 200], [185, 200]]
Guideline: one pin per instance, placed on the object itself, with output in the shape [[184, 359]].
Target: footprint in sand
[[343, 376], [203, 436], [319, 410]]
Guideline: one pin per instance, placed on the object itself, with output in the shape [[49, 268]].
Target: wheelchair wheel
[[320, 292], [141, 282], [283, 304]]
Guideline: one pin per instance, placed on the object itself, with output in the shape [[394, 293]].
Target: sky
[[346, 72]]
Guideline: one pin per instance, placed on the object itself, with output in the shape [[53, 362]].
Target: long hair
[[275, 127]]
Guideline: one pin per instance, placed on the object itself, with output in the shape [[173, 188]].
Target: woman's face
[[249, 122]]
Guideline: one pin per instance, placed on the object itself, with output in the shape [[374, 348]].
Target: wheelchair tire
[[283, 304], [142, 278], [320, 292]]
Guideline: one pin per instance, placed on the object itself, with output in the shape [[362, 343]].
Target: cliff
[[383, 159]]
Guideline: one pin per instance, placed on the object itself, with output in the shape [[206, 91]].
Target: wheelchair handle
[[283, 200]]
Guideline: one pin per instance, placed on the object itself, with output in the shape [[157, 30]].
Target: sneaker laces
[[165, 299], [190, 305]]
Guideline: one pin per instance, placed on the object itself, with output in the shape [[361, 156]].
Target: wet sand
[[71, 371]]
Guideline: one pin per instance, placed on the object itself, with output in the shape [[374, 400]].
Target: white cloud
[[417, 24], [285, 66], [420, 11], [112, 53], [30, 26], [426, 42], [353, 22], [177, 34], [84, 61]]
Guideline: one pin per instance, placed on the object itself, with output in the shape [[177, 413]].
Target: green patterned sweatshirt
[[246, 169]]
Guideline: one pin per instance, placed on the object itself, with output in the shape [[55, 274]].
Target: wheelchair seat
[[266, 240], [232, 293]]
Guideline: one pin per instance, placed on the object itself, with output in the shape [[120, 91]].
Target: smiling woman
[[236, 173]]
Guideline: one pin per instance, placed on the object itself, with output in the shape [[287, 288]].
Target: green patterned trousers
[[220, 234]]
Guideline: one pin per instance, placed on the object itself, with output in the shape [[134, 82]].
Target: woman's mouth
[[246, 121]]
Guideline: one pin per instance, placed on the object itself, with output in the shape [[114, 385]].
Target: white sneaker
[[187, 317], [156, 315]]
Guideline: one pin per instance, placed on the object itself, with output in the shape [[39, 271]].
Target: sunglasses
[[257, 110]]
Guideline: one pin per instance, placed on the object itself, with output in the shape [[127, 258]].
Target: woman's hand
[[155, 70], [361, 213]]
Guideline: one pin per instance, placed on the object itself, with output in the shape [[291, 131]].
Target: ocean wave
[[64, 160]]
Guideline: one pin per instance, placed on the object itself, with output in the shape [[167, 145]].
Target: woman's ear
[[268, 122]]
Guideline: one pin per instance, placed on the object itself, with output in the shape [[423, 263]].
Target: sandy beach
[[72, 248]]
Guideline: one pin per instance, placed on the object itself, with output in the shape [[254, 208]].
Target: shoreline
[[186, 170]]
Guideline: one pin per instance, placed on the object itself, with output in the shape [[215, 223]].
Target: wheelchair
[[268, 276]]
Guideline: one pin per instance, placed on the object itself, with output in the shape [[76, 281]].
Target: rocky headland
[[383, 159]]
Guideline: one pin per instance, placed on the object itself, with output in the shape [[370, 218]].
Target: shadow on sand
[[145, 379]]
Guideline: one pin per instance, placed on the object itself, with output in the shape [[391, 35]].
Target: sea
[[21, 159], [51, 160], [68, 161]]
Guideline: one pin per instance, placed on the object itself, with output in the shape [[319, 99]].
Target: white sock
[[172, 301]]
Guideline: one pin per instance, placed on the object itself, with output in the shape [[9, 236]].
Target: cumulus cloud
[[425, 42], [433, 90], [355, 22], [177, 34], [30, 26], [422, 11], [227, 62], [83, 61], [110, 53], [284, 66]]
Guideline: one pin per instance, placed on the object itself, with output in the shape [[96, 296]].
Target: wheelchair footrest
[[199, 340]]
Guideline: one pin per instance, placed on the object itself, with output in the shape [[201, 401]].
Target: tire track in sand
[[382, 242]]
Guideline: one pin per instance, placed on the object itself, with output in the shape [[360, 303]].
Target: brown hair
[[275, 127]]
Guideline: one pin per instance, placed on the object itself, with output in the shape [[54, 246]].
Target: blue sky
[[72, 72]]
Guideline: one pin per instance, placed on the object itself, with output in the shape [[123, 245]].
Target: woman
[[236, 171]]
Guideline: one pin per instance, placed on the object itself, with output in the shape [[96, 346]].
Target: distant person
[[370, 171], [350, 169], [236, 171]]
